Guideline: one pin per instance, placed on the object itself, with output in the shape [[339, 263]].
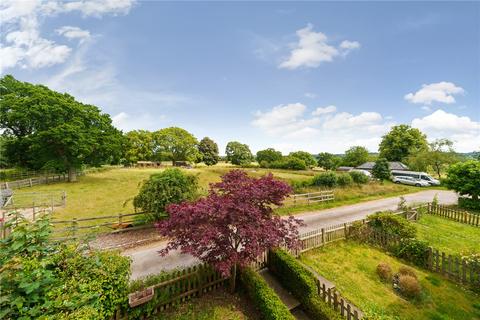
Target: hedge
[[301, 283], [264, 298], [468, 203]]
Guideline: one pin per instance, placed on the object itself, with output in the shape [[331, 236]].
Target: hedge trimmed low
[[301, 283], [264, 298]]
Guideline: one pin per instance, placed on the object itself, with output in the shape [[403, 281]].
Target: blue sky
[[316, 76]]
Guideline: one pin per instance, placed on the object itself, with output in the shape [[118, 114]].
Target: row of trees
[[44, 129]]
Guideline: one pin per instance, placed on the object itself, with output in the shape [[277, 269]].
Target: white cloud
[[464, 131], [70, 32], [21, 44], [440, 92], [128, 122], [312, 49], [325, 131], [310, 95], [328, 109], [347, 46]]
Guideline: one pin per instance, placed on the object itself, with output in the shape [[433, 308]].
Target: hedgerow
[[301, 283], [264, 298]]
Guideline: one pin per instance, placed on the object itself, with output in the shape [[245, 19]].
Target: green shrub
[[468, 203], [384, 271], [386, 222], [413, 250], [264, 298], [58, 281], [325, 179], [301, 283], [358, 177], [344, 180], [170, 186], [289, 163]]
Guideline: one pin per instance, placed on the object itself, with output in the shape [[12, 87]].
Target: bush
[[391, 224], [344, 180], [409, 286], [326, 179], [358, 177], [468, 203], [407, 271], [264, 298], [413, 250], [170, 186], [301, 283], [384, 271], [289, 163]]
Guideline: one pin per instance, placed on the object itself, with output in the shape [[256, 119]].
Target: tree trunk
[[72, 174], [233, 278]]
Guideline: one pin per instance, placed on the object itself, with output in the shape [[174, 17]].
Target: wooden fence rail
[[173, 288], [34, 181], [309, 198], [458, 215], [337, 302]]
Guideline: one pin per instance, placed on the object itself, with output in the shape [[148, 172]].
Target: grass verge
[[352, 267]]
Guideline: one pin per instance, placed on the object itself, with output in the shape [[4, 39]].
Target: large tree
[[268, 156], [305, 156], [209, 151], [464, 178], [439, 155], [401, 142], [238, 153], [139, 146], [233, 225], [48, 129], [175, 144], [328, 161], [381, 170], [355, 156]]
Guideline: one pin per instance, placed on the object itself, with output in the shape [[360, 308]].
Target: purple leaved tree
[[233, 224]]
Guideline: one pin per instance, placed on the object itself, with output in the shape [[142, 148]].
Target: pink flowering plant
[[234, 224]]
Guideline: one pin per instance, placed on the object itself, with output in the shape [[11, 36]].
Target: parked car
[[417, 175], [410, 181]]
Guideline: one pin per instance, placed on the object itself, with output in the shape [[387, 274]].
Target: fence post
[[2, 226], [74, 227], [323, 236], [119, 220], [346, 230]]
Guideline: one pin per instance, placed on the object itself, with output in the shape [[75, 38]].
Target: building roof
[[393, 165], [344, 168]]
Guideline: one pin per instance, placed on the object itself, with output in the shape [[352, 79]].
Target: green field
[[216, 305], [352, 267], [110, 191], [447, 235]]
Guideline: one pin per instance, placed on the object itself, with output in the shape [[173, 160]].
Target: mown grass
[[447, 235], [216, 305], [352, 267]]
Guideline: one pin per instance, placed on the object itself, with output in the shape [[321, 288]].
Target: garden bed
[[352, 267]]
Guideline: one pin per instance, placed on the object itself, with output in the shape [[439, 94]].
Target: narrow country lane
[[146, 260]]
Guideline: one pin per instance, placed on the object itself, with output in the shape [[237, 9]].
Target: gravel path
[[146, 259]]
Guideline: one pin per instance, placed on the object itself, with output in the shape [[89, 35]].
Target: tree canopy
[[234, 224], [139, 146], [355, 156], [47, 129], [401, 142], [175, 144], [268, 156], [438, 156], [305, 156], [209, 151], [238, 153], [328, 161], [464, 178], [381, 170]]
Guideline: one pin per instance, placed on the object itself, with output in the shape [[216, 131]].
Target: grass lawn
[[110, 192], [215, 305], [447, 235], [352, 267]]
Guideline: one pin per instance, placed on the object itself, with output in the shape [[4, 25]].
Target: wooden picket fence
[[173, 288], [309, 198], [458, 215], [453, 267], [338, 303]]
